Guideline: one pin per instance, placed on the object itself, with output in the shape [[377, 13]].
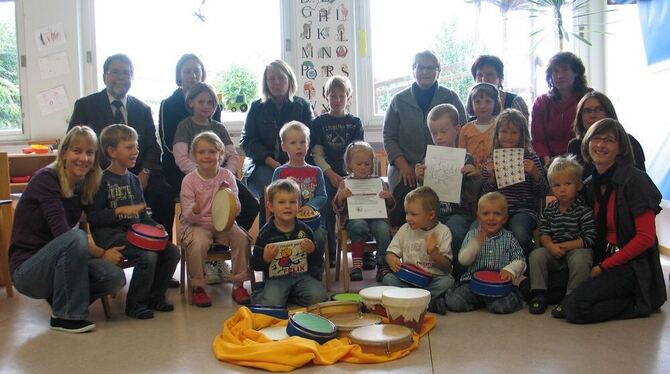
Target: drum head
[[149, 231], [275, 333], [223, 209], [375, 293], [492, 277], [313, 323], [330, 308], [347, 297], [382, 339], [350, 321]]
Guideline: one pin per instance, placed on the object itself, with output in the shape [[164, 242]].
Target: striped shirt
[[501, 251], [576, 222], [521, 197]]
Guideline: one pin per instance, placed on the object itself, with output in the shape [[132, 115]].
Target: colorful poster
[[290, 258], [50, 37], [325, 47]]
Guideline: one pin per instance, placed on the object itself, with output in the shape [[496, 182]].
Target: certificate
[[443, 172], [365, 202]]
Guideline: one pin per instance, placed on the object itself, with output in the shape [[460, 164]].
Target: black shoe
[[356, 275], [331, 263], [438, 305], [558, 312], [173, 283], [257, 286], [381, 272], [369, 261], [538, 305], [140, 312], [74, 326], [161, 306]]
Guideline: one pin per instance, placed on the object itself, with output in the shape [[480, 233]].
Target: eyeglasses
[[120, 73], [608, 140], [596, 110], [426, 67]]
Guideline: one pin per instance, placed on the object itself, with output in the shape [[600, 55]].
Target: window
[[234, 39], [458, 31], [10, 96]]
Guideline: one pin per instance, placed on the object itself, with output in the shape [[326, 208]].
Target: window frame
[[23, 133]]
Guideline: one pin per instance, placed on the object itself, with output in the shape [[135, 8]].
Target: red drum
[[147, 237], [489, 283], [414, 275]]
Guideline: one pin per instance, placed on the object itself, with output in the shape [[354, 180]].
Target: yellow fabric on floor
[[239, 343]]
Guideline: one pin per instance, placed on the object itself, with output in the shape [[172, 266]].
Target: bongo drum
[[313, 220], [346, 297], [270, 310], [310, 326], [382, 339], [414, 275], [489, 283], [224, 209], [346, 322], [275, 333], [147, 237], [406, 306], [331, 308], [372, 299]]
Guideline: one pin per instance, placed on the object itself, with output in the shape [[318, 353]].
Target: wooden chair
[[342, 256]]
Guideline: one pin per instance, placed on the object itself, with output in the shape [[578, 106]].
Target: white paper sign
[[365, 202], [443, 172], [50, 37], [52, 100], [54, 65], [290, 259], [508, 163]]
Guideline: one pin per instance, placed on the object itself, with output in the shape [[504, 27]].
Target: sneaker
[[161, 306], [538, 305], [212, 273], [356, 275], [558, 312], [241, 296], [200, 298], [74, 326], [223, 269], [369, 261], [140, 312], [173, 283]]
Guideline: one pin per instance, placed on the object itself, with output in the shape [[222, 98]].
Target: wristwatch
[[146, 171]]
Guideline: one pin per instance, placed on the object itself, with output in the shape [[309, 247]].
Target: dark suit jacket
[[95, 111]]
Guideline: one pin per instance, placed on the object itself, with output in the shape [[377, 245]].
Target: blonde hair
[[443, 110], [493, 197], [112, 135], [426, 197], [566, 165], [338, 82], [281, 67], [515, 118], [353, 147], [91, 182], [285, 185], [486, 90], [294, 125], [210, 138]]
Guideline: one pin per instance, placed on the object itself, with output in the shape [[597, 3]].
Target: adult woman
[[593, 107], [490, 69], [260, 136], [554, 112], [189, 71], [405, 129], [626, 280], [52, 259]]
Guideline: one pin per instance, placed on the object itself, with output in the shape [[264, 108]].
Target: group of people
[[592, 250]]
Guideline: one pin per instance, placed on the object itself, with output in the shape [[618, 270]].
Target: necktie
[[118, 116]]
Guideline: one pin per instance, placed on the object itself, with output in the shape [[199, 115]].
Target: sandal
[[538, 305]]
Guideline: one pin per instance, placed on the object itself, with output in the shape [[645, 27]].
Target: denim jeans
[[521, 225], [360, 230], [64, 271], [328, 221], [315, 260], [437, 287], [301, 289], [461, 299], [458, 224], [151, 274]]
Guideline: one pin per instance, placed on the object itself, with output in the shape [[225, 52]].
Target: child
[[422, 242], [118, 204], [567, 234], [332, 132], [197, 231], [444, 128], [511, 131], [295, 142], [477, 135], [296, 286], [489, 247], [202, 102], [358, 159]]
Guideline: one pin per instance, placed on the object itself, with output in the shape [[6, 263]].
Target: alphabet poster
[[508, 163], [325, 47]]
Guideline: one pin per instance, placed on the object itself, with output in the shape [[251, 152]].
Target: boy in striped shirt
[[567, 233]]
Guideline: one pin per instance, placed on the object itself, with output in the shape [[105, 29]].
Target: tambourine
[[147, 237], [347, 322], [311, 326], [382, 339], [275, 333], [414, 275], [312, 220], [331, 308], [224, 209], [489, 283]]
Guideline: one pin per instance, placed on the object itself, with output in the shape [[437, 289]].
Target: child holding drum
[[489, 248], [424, 243], [119, 205], [198, 232], [284, 252]]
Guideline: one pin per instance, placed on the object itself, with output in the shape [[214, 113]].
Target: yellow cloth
[[241, 344]]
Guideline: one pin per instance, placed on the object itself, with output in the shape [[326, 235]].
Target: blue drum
[[310, 326], [270, 310], [414, 276], [489, 283]]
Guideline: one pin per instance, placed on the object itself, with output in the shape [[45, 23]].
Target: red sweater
[[551, 124]]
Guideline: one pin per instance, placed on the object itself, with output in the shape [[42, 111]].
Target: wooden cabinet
[[21, 165]]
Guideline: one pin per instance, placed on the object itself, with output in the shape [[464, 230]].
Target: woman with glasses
[[405, 129], [626, 278], [593, 107], [490, 69]]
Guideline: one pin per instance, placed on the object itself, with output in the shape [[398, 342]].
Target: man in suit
[[113, 105]]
